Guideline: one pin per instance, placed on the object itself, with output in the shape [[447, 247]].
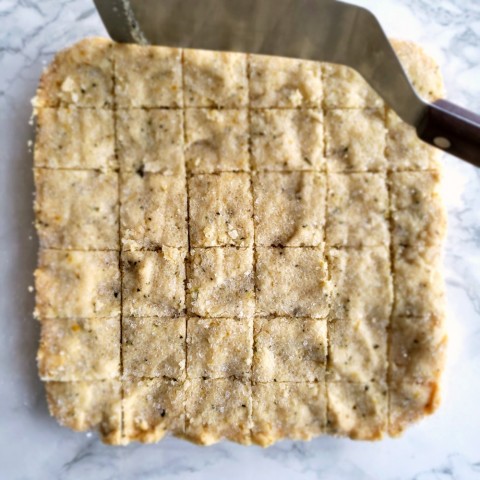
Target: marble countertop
[[33, 446]]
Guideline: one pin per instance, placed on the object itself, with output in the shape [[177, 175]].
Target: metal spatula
[[324, 30]]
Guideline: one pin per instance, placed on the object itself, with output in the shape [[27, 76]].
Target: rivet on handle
[[442, 142]]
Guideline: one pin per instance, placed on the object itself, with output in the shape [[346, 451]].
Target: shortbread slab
[[234, 246]]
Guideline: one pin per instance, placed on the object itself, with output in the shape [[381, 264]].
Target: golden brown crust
[[85, 405], [152, 408], [217, 409], [417, 357], [288, 410], [358, 410]]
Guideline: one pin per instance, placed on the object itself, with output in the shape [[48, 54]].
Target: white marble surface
[[33, 446]]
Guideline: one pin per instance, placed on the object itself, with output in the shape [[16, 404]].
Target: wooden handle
[[453, 129]]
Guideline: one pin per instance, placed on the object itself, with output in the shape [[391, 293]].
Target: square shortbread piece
[[79, 349], [358, 410], [422, 70], [77, 209], [358, 350], [150, 141], [287, 140], [153, 212], [418, 214], [221, 210], [81, 75], [219, 348], [86, 405], [215, 79], [147, 76], [288, 350], [216, 140], [154, 347], [418, 282], [153, 282], [270, 266], [357, 210], [77, 284], [220, 282], [69, 137], [288, 410], [217, 409], [355, 140], [404, 150], [417, 355], [284, 82], [345, 88], [151, 408], [292, 282], [361, 283], [289, 208]]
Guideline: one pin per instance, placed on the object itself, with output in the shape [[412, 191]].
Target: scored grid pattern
[[162, 260]]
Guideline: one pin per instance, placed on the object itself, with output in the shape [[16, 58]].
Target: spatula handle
[[453, 129]]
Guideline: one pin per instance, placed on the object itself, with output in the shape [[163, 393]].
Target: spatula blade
[[323, 30]]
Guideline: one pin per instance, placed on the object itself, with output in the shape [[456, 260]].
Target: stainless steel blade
[[323, 30]]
